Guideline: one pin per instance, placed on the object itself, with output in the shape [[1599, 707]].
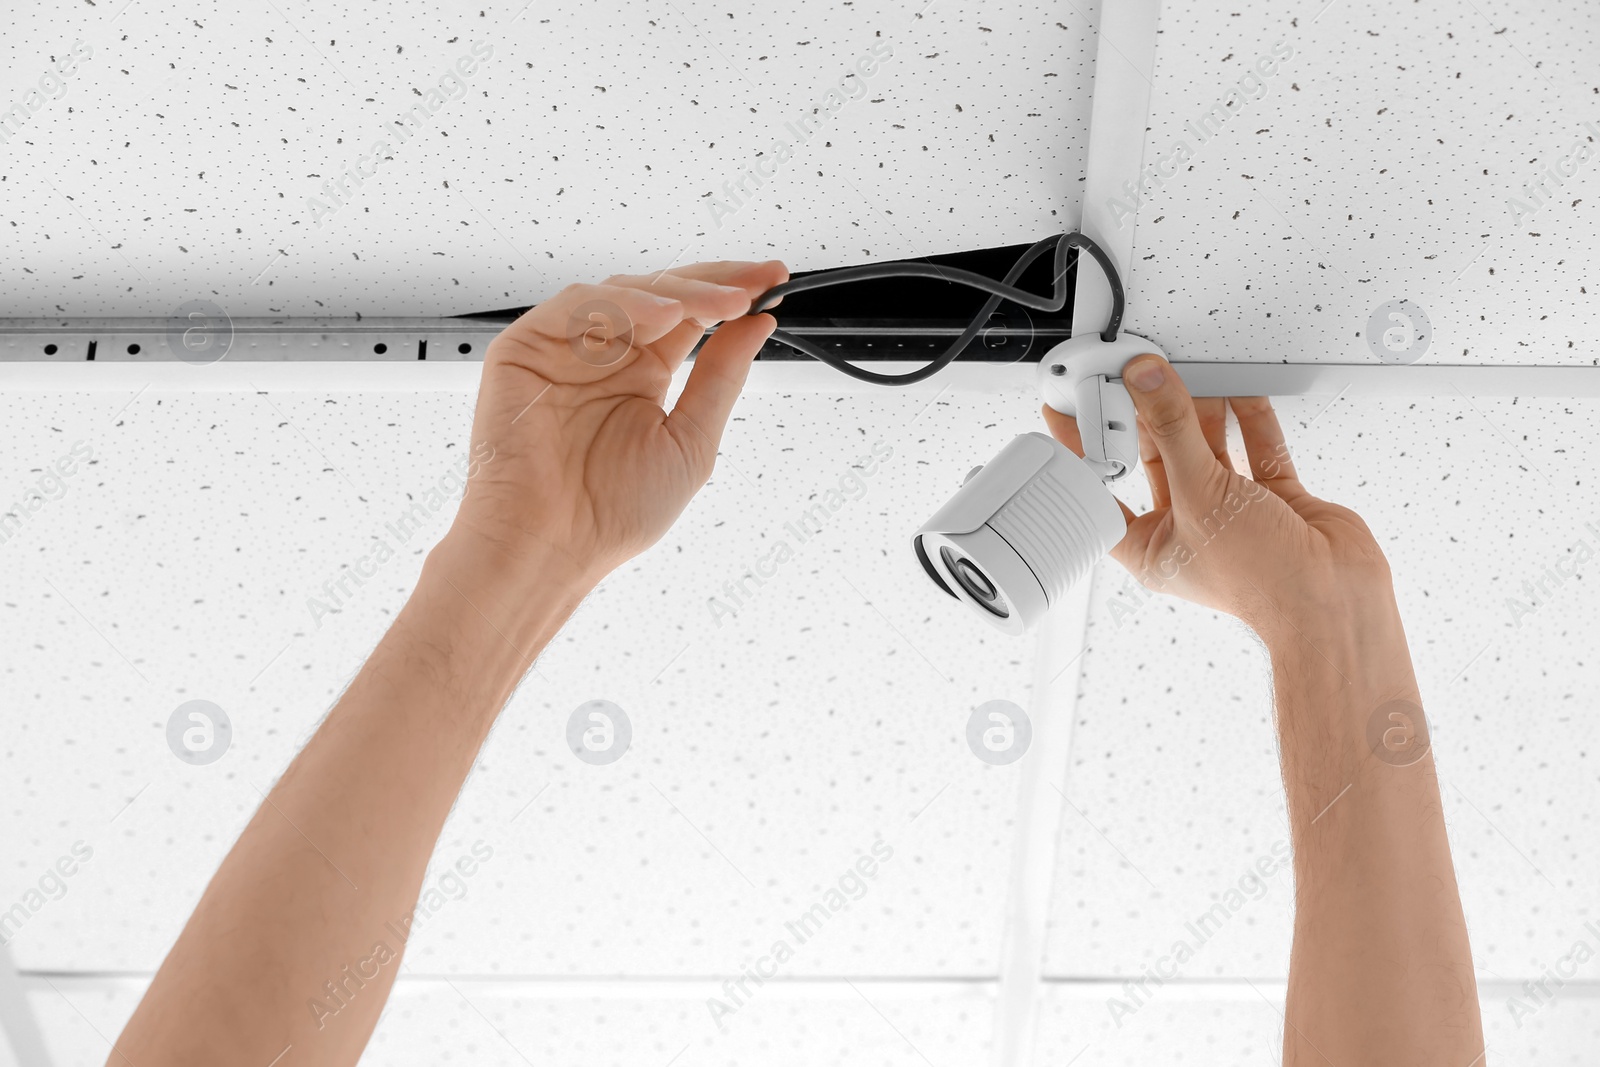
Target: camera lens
[[974, 581]]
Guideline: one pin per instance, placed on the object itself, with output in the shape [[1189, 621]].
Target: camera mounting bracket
[[1082, 377]]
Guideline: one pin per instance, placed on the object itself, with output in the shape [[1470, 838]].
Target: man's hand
[[1380, 971], [587, 469], [1261, 548], [578, 468]]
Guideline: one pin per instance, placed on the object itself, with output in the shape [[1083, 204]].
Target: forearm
[[331, 864], [1380, 971]]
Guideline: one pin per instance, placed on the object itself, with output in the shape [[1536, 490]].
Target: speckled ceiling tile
[[602, 1025], [1378, 153], [1174, 767], [776, 739], [178, 152], [1225, 1025]]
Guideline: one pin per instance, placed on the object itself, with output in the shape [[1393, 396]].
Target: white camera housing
[[1033, 521], [1024, 528], [1082, 377]]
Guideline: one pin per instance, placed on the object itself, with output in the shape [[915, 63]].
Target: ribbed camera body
[[1021, 530]]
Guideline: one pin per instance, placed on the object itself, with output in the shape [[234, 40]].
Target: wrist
[[526, 567], [1353, 610], [1347, 700], [1356, 645], [519, 599]]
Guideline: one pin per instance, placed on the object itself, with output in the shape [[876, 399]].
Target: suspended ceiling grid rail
[[346, 355], [1124, 67]]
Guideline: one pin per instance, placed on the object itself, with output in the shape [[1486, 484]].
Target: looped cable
[[1001, 290]]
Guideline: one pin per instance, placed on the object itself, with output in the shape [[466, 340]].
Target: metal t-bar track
[[1384, 380]]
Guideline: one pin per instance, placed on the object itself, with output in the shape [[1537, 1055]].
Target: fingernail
[[662, 300], [1144, 376]]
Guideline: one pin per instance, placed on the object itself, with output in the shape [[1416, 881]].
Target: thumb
[[1167, 411]]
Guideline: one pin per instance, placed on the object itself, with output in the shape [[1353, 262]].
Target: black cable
[[1001, 290]]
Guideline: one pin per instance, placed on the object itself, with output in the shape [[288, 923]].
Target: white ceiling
[[590, 139], [1377, 166], [770, 751], [791, 735]]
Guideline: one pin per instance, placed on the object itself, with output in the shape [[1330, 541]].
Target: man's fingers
[[602, 325], [1168, 412], [753, 278], [715, 381], [1212, 411], [709, 302], [1264, 444], [710, 293], [1134, 548], [585, 327], [1063, 428], [1155, 473]]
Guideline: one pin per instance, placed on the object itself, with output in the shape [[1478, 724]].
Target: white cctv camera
[[1034, 520]]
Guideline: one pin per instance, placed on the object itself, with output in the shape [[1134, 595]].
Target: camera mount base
[[1082, 377]]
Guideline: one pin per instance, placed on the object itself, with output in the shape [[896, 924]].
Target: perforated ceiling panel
[[255, 156], [1305, 168], [779, 732], [429, 1022]]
